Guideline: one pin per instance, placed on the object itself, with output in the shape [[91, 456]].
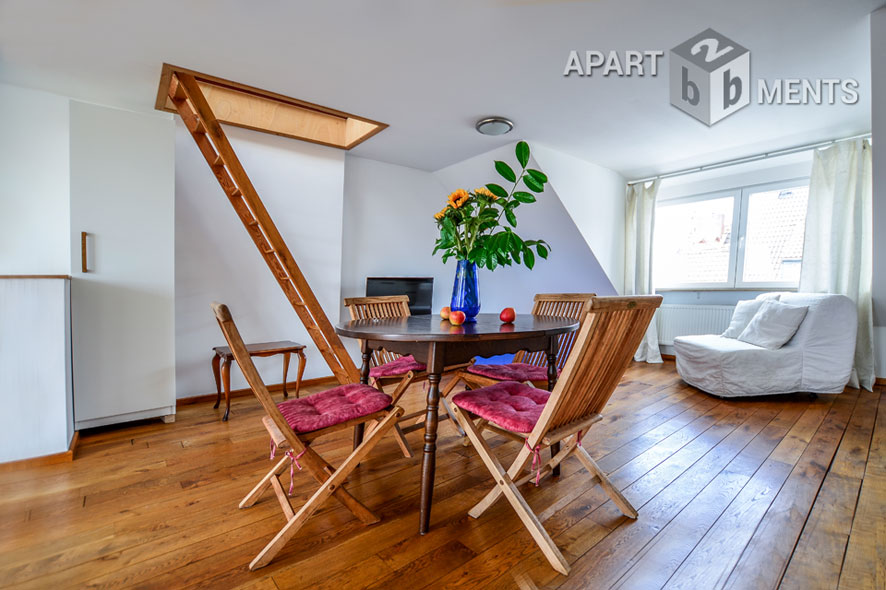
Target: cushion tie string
[[293, 462], [536, 461], [578, 438]]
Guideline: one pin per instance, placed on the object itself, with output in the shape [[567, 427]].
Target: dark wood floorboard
[[774, 492]]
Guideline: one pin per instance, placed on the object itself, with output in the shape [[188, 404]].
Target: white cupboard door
[[122, 196]]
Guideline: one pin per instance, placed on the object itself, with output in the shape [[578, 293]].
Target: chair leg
[[612, 491], [510, 491], [401, 440], [253, 496], [324, 492], [448, 409], [479, 425]]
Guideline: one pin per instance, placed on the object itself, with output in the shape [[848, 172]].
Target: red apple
[[444, 313], [507, 315], [456, 318]]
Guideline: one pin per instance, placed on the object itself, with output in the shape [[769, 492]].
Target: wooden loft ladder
[[191, 104]]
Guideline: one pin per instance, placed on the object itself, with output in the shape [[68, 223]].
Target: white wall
[[34, 210], [571, 266], [594, 197], [389, 228], [878, 121], [301, 185]]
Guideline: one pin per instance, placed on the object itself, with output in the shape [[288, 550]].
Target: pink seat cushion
[[332, 407], [401, 366], [511, 372], [511, 405]]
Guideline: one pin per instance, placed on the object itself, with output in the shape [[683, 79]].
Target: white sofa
[[817, 359]]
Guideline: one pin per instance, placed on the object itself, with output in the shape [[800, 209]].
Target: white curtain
[[639, 223], [837, 256]]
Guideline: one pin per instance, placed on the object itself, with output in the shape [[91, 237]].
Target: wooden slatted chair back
[[385, 306], [604, 347], [566, 305], [247, 367]]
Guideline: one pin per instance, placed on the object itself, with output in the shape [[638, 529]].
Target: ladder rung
[[178, 93], [218, 161], [269, 251], [252, 223], [235, 193], [199, 127]]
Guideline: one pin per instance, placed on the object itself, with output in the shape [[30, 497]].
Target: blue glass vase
[[466, 290]]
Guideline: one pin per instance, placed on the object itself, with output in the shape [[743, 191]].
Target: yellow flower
[[458, 198], [485, 192], [442, 213]]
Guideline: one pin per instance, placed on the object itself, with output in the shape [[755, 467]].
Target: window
[[745, 238]]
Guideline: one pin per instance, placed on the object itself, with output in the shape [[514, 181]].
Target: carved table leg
[[216, 371]]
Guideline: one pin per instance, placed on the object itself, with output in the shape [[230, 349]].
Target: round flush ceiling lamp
[[494, 126]]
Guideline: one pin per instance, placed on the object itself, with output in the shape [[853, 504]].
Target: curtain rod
[[746, 159]]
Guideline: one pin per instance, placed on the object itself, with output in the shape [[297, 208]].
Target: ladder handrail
[[201, 123]]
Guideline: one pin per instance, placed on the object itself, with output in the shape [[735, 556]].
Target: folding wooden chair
[[389, 368], [293, 425], [603, 349], [527, 366]]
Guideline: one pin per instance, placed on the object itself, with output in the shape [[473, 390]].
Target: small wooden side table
[[222, 359]]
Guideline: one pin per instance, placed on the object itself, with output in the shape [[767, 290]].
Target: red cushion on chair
[[401, 366], [332, 407], [511, 405], [511, 372]]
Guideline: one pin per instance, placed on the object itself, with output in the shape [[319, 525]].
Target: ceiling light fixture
[[494, 126]]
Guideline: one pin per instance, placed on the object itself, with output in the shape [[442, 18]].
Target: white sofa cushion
[[742, 316], [774, 324], [730, 367]]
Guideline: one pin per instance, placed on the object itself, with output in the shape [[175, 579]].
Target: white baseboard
[[141, 415]]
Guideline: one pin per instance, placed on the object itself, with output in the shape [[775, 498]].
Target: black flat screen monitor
[[419, 289]]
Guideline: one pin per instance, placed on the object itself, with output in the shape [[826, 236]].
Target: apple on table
[[457, 318], [507, 315], [444, 313]]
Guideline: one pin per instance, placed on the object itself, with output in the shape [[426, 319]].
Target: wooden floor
[[772, 492]]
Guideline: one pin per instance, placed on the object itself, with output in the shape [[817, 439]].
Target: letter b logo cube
[[710, 76]]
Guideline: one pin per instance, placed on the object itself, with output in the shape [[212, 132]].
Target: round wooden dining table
[[438, 344]]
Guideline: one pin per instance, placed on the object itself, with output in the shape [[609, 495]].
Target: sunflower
[[459, 198], [442, 213], [484, 192]]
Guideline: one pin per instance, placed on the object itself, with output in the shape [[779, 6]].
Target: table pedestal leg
[[552, 381], [429, 459], [364, 379]]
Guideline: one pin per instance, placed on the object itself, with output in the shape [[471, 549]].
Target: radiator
[[682, 320]]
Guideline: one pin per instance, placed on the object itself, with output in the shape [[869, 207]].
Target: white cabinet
[[122, 174], [35, 367]]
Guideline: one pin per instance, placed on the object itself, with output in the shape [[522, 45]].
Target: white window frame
[[741, 196]]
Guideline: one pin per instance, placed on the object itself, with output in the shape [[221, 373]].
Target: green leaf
[[497, 190], [528, 258], [490, 262], [524, 197], [505, 171], [523, 153], [537, 175], [542, 251], [489, 214], [448, 225], [512, 219], [533, 184]]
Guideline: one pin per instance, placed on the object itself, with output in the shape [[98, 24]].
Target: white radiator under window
[[682, 320]]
